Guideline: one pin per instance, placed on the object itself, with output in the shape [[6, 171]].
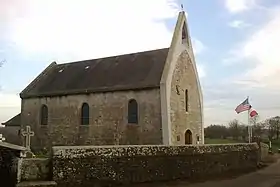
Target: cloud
[[222, 98], [238, 24], [83, 30], [91, 28], [201, 70], [237, 6], [198, 46], [9, 100], [9, 106], [260, 51]]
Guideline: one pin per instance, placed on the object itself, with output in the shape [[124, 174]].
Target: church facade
[[151, 97]]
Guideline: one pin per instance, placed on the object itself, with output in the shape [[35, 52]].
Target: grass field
[[275, 144], [221, 141]]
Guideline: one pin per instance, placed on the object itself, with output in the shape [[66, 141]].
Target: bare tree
[[216, 131], [273, 125], [2, 62], [277, 124], [258, 129], [243, 131], [234, 129], [254, 120]]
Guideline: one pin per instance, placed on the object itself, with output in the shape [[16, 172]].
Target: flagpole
[[249, 129]]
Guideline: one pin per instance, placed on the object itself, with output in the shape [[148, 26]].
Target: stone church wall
[[108, 119], [85, 166], [181, 119]]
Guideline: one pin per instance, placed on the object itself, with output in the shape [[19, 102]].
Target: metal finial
[[182, 7]]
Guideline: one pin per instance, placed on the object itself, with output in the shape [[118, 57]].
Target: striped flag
[[244, 106]]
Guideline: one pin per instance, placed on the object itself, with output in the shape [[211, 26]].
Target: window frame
[[132, 112], [44, 115], [85, 114]]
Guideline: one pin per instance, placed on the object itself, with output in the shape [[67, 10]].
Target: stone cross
[[2, 138], [27, 134]]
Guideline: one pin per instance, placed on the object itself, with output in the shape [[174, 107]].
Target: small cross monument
[[2, 138], [27, 134]]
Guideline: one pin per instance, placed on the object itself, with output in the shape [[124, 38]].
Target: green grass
[[275, 145], [221, 141]]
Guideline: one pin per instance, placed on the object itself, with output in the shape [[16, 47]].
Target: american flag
[[243, 106]]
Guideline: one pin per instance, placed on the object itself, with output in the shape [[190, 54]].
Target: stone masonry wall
[[10, 156], [36, 169], [108, 119], [96, 165], [182, 120], [264, 149]]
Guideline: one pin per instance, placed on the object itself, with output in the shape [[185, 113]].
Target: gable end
[[37, 79]]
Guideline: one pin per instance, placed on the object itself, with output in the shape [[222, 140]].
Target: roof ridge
[[123, 72], [106, 57]]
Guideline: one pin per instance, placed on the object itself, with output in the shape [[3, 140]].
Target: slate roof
[[125, 72], [15, 121]]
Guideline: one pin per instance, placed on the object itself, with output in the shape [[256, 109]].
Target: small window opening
[[85, 114], [187, 100], [133, 111]]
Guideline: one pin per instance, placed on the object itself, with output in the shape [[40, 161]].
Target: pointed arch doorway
[[188, 137]]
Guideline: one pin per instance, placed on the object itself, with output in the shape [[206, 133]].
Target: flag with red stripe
[[244, 106], [253, 113]]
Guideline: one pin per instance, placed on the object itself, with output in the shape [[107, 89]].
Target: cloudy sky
[[236, 44]]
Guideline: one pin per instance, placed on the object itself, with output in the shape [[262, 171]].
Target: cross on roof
[[2, 138], [27, 134]]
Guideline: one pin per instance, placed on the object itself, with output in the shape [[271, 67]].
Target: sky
[[236, 44]]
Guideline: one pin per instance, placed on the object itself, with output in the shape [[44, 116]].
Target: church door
[[188, 137]]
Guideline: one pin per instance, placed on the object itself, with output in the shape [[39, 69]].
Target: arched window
[[187, 100], [132, 111], [85, 114], [44, 115]]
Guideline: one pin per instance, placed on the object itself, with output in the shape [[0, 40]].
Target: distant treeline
[[267, 129]]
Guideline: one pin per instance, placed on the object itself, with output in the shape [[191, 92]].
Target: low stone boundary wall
[[35, 169], [83, 166], [264, 149]]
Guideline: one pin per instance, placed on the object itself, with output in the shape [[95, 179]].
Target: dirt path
[[266, 177]]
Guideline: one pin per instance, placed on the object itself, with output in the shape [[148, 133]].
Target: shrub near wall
[[83, 166]]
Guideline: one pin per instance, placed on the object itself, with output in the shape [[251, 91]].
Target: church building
[[150, 97]]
